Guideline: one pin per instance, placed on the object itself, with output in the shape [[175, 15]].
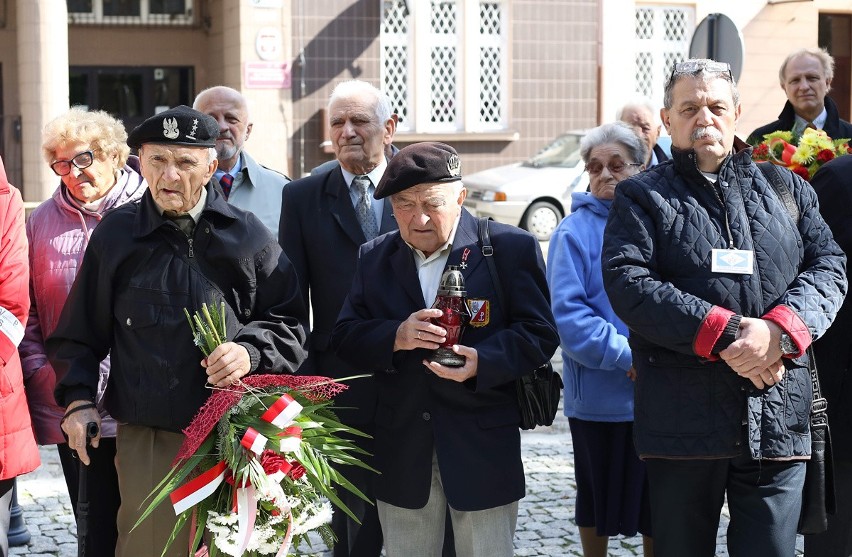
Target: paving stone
[[545, 516]]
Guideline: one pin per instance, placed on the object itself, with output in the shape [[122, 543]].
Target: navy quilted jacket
[[656, 264]]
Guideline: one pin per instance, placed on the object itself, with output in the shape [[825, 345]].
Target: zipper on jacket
[[191, 251], [717, 191]]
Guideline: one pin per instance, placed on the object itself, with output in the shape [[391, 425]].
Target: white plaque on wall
[[268, 43]]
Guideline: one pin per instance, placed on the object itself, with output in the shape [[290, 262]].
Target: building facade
[[496, 78]]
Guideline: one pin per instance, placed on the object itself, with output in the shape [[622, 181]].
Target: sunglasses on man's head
[[691, 67]]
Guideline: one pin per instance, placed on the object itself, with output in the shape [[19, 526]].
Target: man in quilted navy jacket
[[723, 290]]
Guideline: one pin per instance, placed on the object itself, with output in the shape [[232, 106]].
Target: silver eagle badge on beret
[[454, 165], [170, 128]]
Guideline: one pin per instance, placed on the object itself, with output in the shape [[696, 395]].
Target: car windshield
[[563, 151]]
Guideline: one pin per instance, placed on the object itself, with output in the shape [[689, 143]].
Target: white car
[[535, 194]]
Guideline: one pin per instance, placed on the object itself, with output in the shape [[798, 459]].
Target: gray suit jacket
[[258, 189]]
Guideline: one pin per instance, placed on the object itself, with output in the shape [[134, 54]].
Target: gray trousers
[[420, 532]]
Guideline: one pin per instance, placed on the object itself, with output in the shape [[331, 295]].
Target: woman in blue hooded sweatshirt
[[612, 494]]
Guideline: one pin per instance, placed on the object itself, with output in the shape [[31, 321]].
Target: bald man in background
[[245, 183]]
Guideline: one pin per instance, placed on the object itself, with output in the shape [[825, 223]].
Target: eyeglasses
[[692, 67], [614, 167], [80, 160]]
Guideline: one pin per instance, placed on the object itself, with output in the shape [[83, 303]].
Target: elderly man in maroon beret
[[182, 245], [445, 437]]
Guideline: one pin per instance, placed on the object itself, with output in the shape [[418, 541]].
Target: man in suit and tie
[[806, 76], [445, 436], [325, 217], [244, 182]]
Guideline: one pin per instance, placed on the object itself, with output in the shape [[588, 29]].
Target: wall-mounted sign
[[268, 43], [265, 3], [266, 75]]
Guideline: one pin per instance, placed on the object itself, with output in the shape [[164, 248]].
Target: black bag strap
[[488, 253], [819, 406], [771, 173]]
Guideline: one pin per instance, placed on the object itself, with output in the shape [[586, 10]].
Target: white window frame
[[145, 16], [659, 46], [467, 42]]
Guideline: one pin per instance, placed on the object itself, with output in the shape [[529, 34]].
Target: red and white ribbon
[[246, 515], [291, 438], [285, 546], [254, 441], [283, 411], [198, 489]]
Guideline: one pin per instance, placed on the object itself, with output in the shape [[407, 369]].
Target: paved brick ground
[[545, 525]]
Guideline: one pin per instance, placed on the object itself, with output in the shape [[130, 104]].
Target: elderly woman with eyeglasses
[[598, 370], [89, 153]]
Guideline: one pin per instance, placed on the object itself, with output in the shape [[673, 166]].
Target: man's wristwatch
[[787, 345]]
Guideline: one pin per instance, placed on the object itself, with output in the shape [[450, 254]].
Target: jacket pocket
[[133, 314], [675, 394]]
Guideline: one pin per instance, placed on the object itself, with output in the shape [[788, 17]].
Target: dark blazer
[[835, 127], [471, 426], [833, 352], [320, 234]]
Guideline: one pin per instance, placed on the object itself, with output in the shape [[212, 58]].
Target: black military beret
[[180, 125], [419, 163]]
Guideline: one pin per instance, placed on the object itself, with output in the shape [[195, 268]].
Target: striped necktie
[[364, 209], [226, 181]]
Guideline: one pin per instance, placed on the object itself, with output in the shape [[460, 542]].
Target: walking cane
[[83, 495]]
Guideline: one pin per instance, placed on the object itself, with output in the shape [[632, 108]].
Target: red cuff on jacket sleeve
[[791, 324], [711, 329]]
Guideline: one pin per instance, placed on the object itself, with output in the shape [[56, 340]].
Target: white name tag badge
[[737, 261], [11, 327]]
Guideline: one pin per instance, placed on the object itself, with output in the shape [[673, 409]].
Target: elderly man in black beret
[[181, 246], [445, 435]]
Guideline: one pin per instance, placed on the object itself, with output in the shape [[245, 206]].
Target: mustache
[[706, 132]]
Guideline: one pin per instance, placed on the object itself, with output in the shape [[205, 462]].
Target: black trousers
[[5, 512], [354, 540], [764, 500], [837, 540], [102, 494]]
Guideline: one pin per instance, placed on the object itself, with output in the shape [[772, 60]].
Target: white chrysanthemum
[[311, 518]]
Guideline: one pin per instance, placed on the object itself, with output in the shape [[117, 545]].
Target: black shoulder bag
[[818, 494], [538, 391]]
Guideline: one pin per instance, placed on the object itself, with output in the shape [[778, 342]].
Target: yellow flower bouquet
[[805, 156]]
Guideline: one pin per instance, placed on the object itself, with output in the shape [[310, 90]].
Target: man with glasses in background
[[722, 291]]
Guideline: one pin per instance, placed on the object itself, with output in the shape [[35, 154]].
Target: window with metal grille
[[131, 12], [662, 35], [444, 64]]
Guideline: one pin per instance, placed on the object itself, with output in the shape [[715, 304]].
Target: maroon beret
[[419, 163]]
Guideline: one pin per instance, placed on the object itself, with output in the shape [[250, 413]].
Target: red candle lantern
[[452, 301]]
